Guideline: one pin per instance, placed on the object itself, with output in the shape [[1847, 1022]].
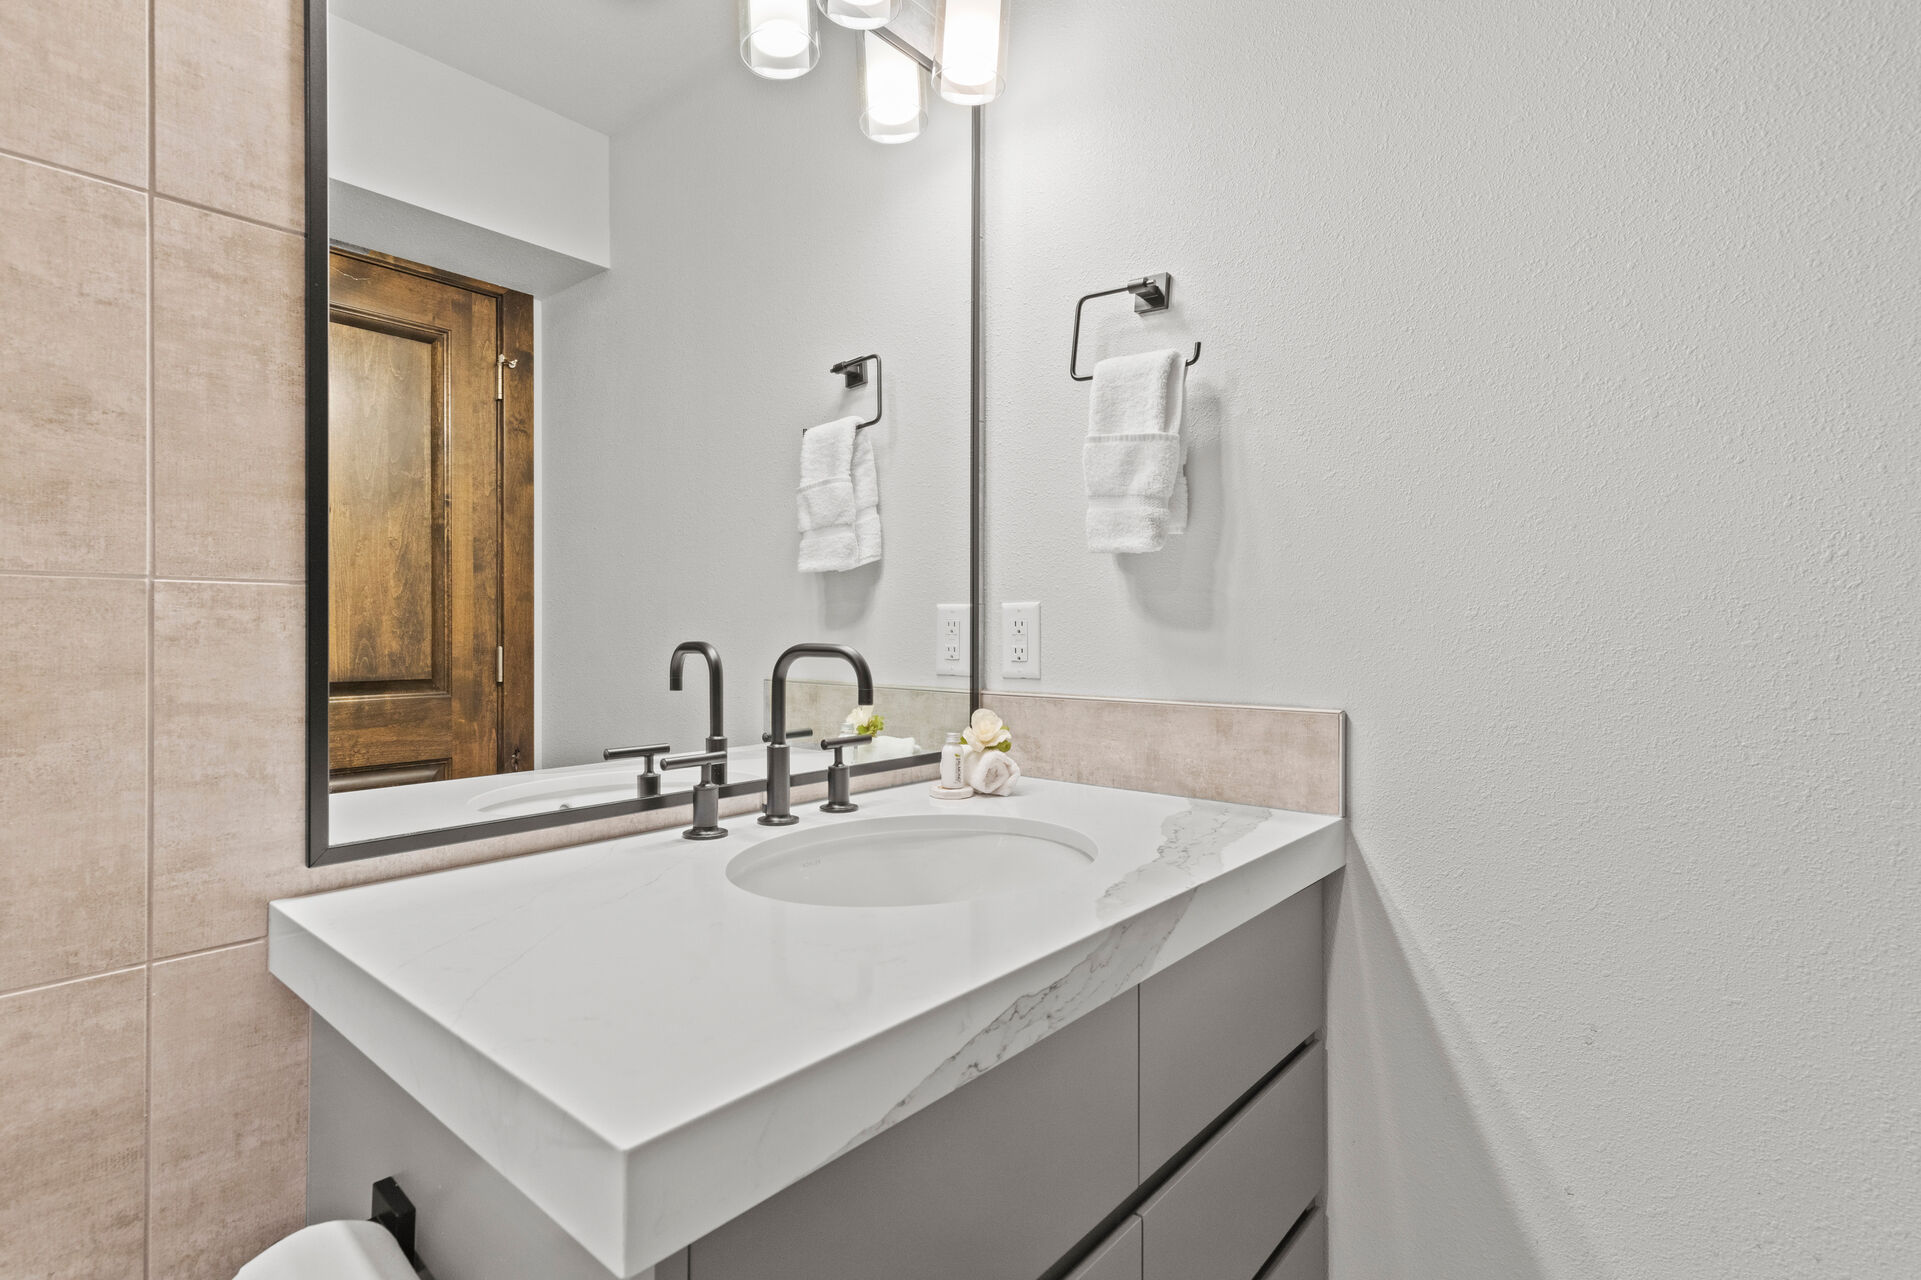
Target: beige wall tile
[[73, 340], [73, 1130], [1279, 757], [73, 756], [229, 1127], [229, 771], [76, 77], [229, 432], [228, 87]]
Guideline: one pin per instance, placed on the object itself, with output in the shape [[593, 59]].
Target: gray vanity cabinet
[[995, 1181], [1223, 1213], [1214, 1024], [1305, 1257], [1116, 1258]]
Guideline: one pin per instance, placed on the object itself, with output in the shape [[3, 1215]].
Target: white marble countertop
[[647, 1050]]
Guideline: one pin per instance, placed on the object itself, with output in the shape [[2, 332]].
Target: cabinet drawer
[[993, 1182], [1216, 1022], [1117, 1258], [1306, 1256], [1223, 1213]]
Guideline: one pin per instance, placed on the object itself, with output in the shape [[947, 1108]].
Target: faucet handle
[[791, 735], [647, 780], [706, 795], [851, 740], [702, 760], [839, 776], [646, 753]]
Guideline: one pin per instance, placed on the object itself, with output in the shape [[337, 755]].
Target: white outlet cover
[[1021, 640], [952, 640]]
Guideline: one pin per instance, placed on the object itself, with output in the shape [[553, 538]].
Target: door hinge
[[500, 664], [501, 365]]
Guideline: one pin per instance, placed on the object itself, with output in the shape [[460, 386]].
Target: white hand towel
[[825, 500], [990, 773], [866, 501], [1135, 456]]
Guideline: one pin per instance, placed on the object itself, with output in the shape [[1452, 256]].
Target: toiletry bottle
[[950, 762]]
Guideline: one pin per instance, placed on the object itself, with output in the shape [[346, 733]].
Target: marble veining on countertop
[[648, 1050]]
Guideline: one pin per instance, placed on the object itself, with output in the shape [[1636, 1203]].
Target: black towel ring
[[1151, 293], [855, 371]]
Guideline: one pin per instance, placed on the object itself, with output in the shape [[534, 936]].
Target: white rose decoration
[[986, 732]]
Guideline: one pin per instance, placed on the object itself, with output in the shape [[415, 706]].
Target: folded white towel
[[990, 773], [1135, 456], [866, 501], [825, 499]]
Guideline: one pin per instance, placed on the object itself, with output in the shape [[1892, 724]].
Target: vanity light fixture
[[972, 41], [779, 39], [861, 15], [893, 92]]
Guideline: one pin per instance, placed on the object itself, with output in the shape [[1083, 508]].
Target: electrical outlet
[[951, 640], [1021, 641]]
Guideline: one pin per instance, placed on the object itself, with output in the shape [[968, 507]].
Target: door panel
[[383, 523], [414, 527]]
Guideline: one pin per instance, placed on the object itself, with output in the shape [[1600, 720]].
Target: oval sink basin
[[567, 791], [912, 861]]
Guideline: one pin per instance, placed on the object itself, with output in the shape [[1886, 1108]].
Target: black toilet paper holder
[[394, 1211]]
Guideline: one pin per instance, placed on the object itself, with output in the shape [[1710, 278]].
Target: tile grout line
[[39, 987], [146, 1145], [24, 158], [196, 953], [249, 219], [150, 192]]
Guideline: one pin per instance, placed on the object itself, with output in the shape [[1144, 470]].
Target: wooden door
[[417, 637]]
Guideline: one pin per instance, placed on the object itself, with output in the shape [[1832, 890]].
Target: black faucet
[[780, 781], [716, 711]]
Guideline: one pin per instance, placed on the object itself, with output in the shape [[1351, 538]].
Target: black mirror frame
[[319, 851]]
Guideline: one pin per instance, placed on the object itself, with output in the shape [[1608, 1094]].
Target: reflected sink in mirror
[[912, 861]]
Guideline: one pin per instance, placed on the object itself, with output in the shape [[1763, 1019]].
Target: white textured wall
[[1562, 366], [758, 239]]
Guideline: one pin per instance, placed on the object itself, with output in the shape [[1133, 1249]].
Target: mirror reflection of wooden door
[[419, 518]]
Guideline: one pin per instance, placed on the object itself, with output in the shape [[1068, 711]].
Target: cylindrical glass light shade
[[779, 39], [861, 15], [973, 50], [893, 92]]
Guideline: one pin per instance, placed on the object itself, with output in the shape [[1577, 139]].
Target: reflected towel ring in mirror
[[1151, 293], [855, 371]]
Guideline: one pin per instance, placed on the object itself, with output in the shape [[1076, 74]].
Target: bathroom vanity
[[1072, 1032]]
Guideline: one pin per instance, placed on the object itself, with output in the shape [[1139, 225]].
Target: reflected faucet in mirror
[[716, 703], [780, 784]]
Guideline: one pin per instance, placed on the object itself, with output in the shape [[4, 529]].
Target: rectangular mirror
[[579, 279]]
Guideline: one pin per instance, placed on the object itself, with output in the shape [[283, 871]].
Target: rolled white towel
[[990, 773]]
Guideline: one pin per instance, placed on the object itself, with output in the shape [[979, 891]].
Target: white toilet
[[332, 1251]]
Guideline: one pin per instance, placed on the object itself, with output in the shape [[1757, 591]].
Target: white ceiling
[[600, 62]]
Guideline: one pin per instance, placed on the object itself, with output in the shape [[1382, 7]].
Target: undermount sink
[[911, 861], [567, 791]]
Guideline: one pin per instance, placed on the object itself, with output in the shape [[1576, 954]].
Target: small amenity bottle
[[950, 762]]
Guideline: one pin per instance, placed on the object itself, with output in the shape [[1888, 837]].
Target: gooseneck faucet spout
[[716, 702], [780, 782]]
